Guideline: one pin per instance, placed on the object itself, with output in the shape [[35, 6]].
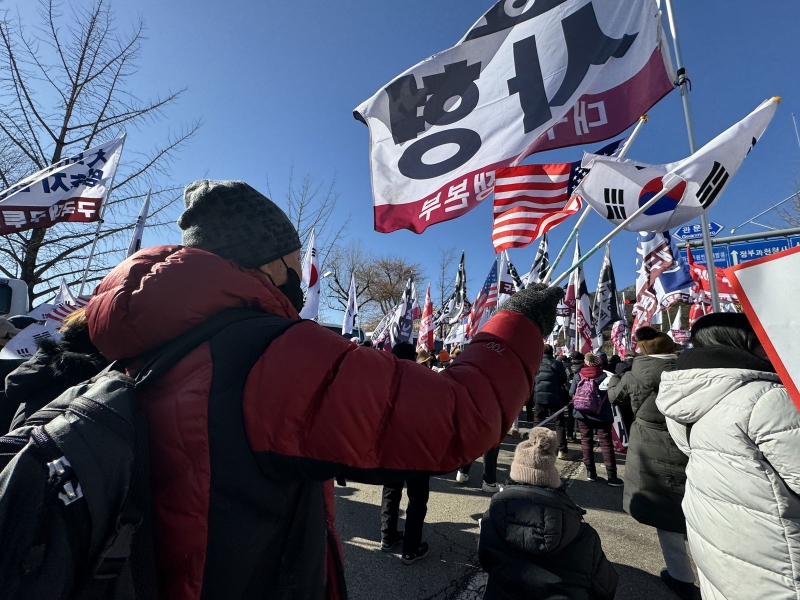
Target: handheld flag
[[351, 313], [577, 300], [311, 279], [72, 189], [402, 327], [484, 303], [541, 264], [616, 188], [527, 77], [606, 309], [138, 231], [460, 305], [505, 285], [425, 340]]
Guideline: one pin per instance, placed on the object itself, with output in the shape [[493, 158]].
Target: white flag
[[351, 313], [311, 280], [425, 340], [64, 295], [616, 188], [138, 231], [26, 342], [505, 283], [70, 190], [527, 77], [541, 264]]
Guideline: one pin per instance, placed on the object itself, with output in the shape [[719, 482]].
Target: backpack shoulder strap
[[166, 357]]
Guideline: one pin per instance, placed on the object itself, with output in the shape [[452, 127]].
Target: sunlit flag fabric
[[402, 326], [577, 300], [381, 333], [660, 274], [460, 305], [73, 189], [311, 280], [484, 304], [138, 231], [64, 295], [605, 310], [541, 264], [617, 188], [425, 340], [532, 199], [527, 77], [505, 285], [351, 312], [699, 274]]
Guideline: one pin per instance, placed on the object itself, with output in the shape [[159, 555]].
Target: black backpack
[[75, 519]]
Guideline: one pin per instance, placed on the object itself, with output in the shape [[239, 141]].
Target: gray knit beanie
[[535, 460], [234, 221]]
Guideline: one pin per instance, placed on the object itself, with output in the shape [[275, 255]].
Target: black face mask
[[291, 289]]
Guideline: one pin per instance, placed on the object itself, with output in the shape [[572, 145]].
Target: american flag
[[486, 300], [63, 310], [532, 199]]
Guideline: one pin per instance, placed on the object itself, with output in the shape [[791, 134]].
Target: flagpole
[[100, 221], [612, 235], [683, 82], [642, 120]]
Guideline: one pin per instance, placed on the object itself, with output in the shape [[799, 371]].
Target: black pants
[[489, 466], [542, 411], [418, 492]]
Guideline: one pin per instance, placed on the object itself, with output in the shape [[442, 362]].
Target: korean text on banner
[[547, 74], [773, 313], [70, 190]]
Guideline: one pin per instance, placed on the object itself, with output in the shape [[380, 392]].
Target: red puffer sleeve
[[315, 396]]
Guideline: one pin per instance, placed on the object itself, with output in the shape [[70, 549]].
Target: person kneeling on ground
[[533, 541]]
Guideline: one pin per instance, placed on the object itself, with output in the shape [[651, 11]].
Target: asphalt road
[[451, 570]]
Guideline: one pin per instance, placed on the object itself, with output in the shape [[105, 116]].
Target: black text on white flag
[[524, 79]]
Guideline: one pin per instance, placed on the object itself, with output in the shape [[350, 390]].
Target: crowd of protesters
[[713, 460]]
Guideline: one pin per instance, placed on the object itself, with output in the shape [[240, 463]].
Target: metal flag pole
[[585, 214], [100, 221], [577, 299], [599, 245], [683, 82]]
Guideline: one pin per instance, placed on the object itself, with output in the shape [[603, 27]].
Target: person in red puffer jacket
[[243, 468]]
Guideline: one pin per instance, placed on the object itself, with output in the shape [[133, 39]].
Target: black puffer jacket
[[655, 471], [550, 381], [534, 544], [54, 368]]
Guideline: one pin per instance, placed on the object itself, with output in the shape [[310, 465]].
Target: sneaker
[[615, 482], [390, 542], [563, 455], [410, 559], [461, 477], [489, 488], [591, 474], [683, 589]]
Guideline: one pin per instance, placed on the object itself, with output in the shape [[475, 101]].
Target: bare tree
[[380, 280], [311, 205], [445, 276], [66, 86]]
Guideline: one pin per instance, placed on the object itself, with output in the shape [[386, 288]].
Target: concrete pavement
[[451, 571]]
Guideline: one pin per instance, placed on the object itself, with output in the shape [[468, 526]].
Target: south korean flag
[[617, 188]]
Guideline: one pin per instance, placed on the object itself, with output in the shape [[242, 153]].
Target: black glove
[[537, 302]]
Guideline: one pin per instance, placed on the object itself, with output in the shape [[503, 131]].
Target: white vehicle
[[13, 297]]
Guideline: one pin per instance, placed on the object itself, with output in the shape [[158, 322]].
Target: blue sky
[[275, 84]]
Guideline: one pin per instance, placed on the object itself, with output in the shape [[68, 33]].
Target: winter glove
[[537, 302]]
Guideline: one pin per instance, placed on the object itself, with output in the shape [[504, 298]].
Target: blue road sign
[[721, 256], [746, 251], [695, 232], [794, 241]]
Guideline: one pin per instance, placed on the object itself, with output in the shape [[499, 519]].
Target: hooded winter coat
[[550, 381], [243, 491], [534, 544], [741, 431], [655, 469], [56, 367], [605, 415]]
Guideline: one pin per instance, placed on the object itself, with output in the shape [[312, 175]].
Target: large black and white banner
[[527, 77], [72, 189]]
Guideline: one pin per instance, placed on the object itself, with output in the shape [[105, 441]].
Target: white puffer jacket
[[742, 501]]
